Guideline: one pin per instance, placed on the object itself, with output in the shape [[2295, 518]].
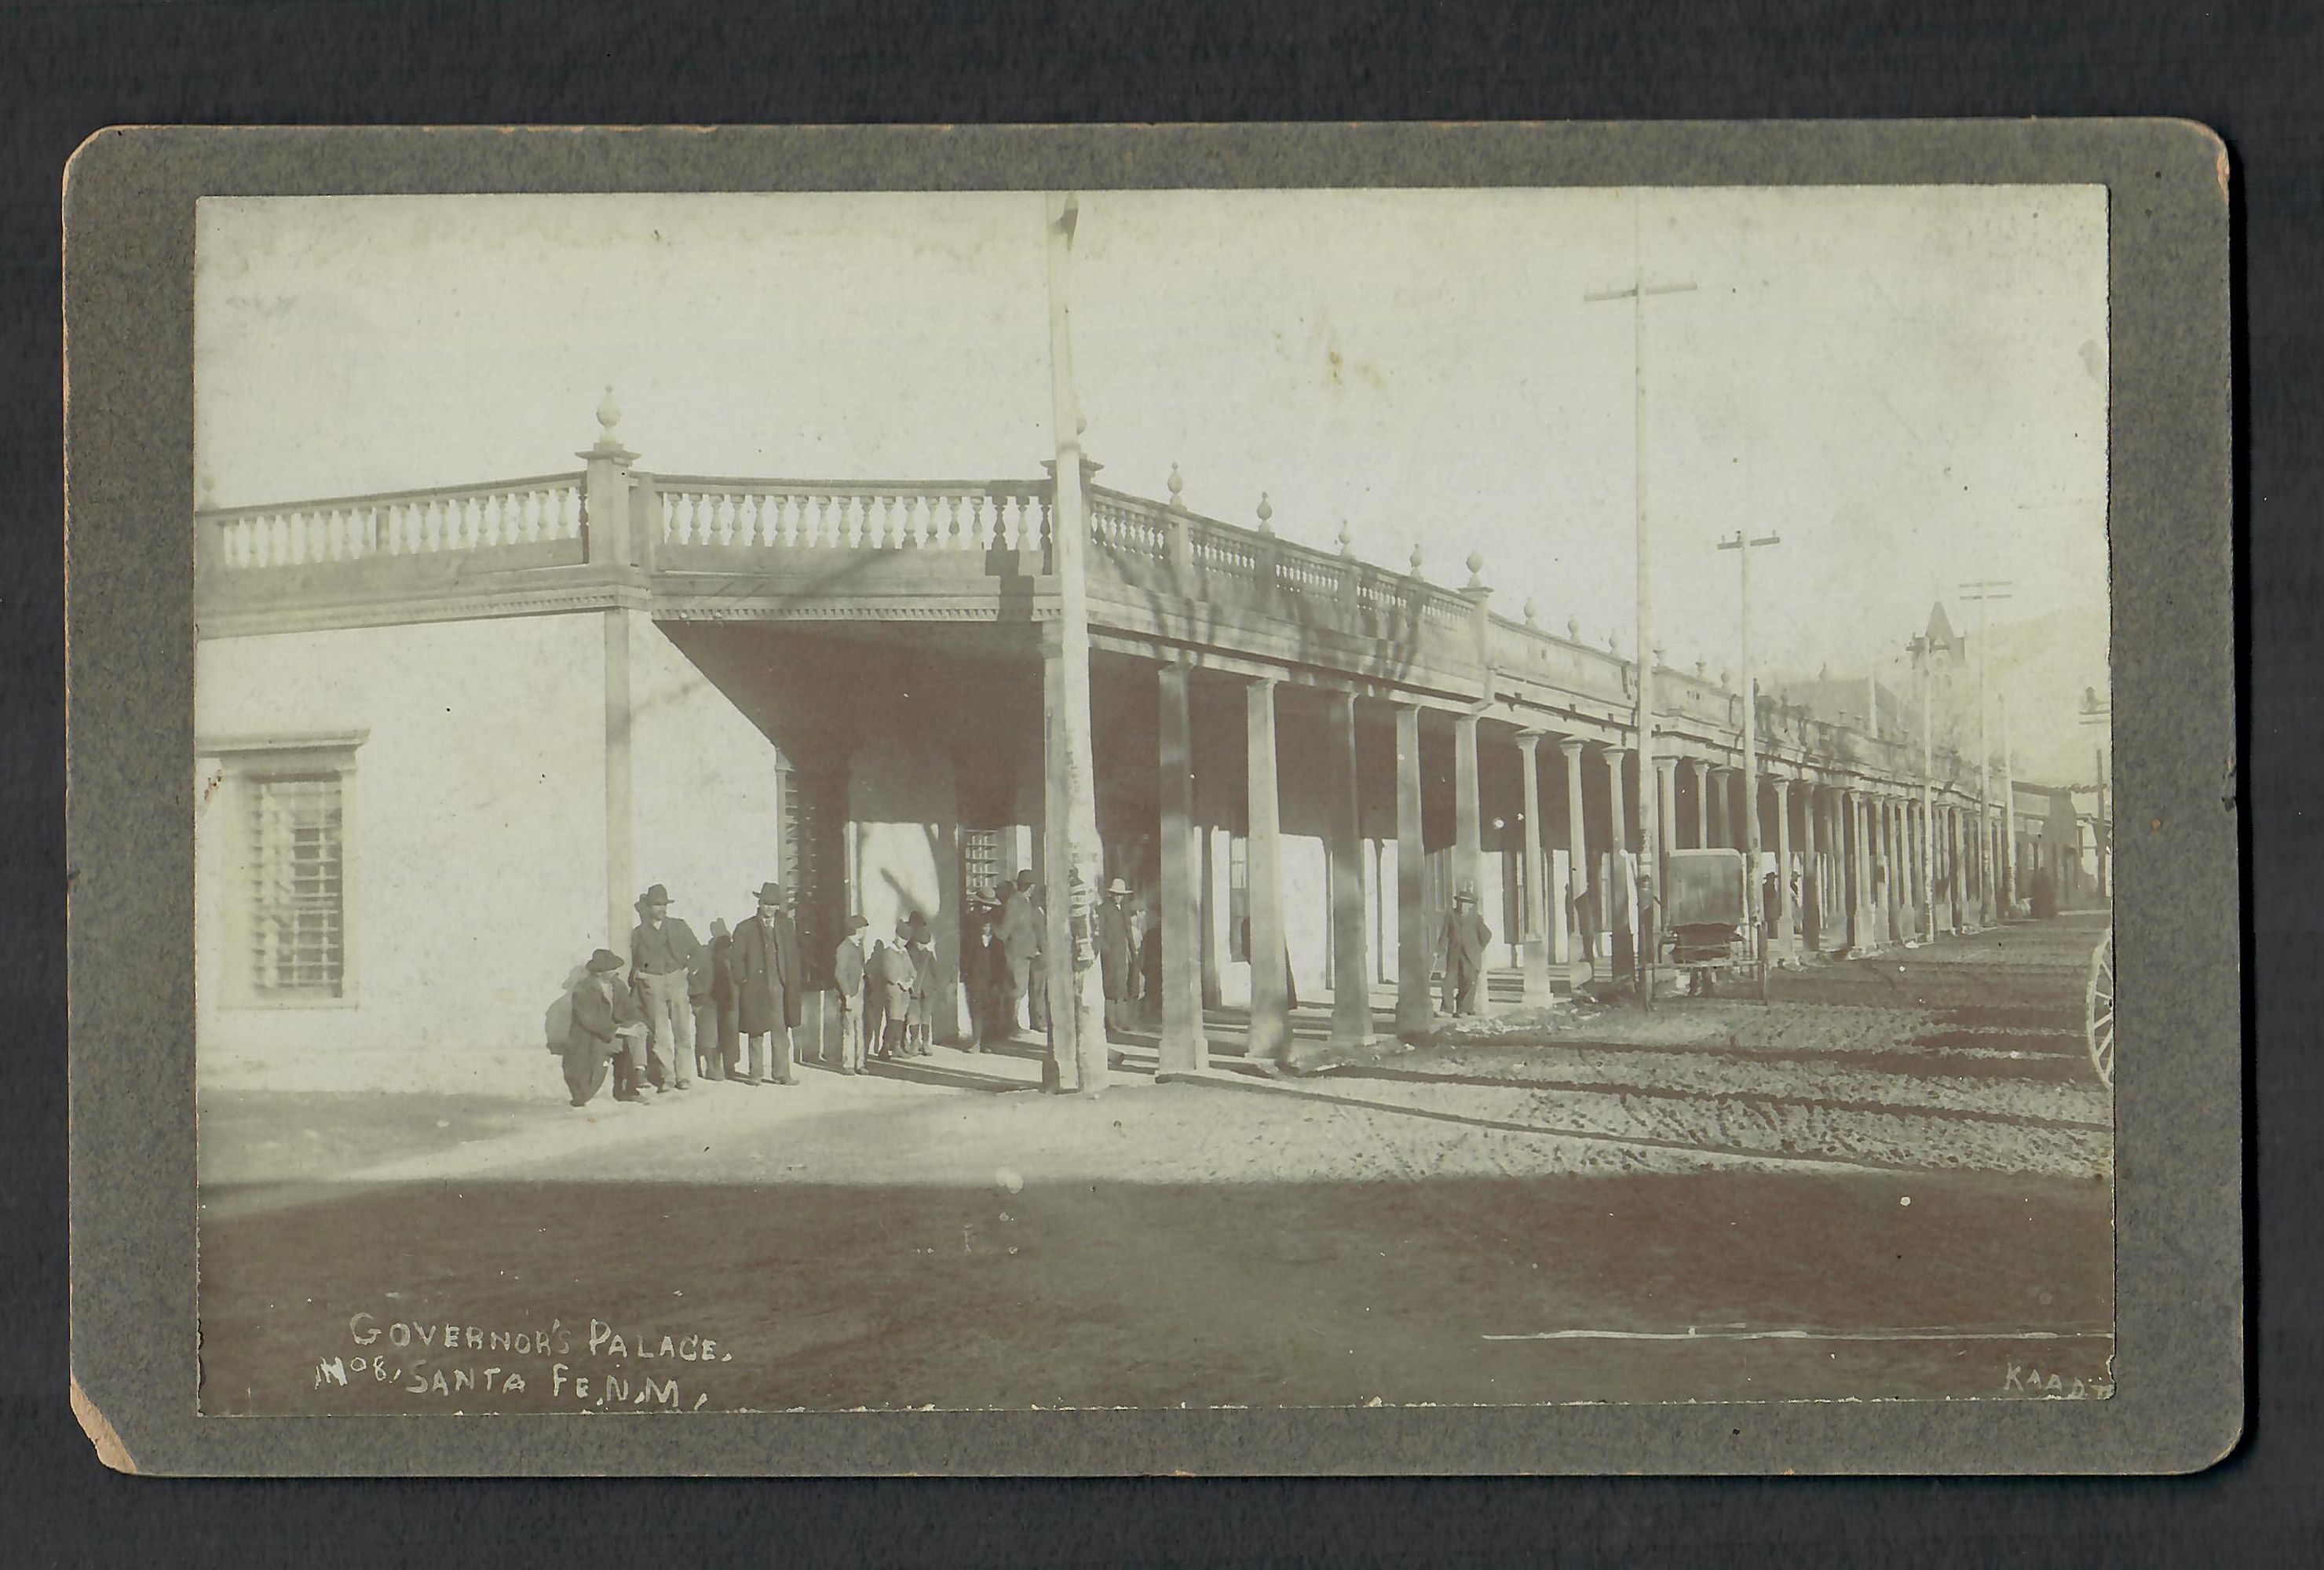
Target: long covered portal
[[1257, 824]]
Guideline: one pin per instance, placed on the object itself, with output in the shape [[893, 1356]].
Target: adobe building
[[446, 736]]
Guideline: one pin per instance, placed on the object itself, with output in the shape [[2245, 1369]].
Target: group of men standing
[[681, 1007], [1004, 968]]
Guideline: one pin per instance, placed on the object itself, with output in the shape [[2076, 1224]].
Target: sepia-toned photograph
[[1152, 799]]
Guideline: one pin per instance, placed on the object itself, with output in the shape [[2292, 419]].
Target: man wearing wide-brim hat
[[764, 963], [605, 1017], [1465, 938], [664, 955], [1116, 947]]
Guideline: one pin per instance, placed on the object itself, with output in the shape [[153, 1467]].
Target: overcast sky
[[1908, 384]]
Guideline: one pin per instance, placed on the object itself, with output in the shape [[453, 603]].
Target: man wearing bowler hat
[[1116, 945], [764, 964], [606, 1025], [1465, 937], [664, 954]]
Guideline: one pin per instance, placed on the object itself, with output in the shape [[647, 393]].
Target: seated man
[[607, 1023]]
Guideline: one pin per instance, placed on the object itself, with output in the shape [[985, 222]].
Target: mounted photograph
[[1190, 799]]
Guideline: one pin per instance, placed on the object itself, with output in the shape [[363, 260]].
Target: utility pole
[[1922, 652], [1743, 544], [1650, 827], [2008, 813], [1079, 1048], [1983, 592]]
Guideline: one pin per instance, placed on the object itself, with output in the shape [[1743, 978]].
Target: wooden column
[[1617, 890], [1536, 905], [1577, 838], [1716, 786], [1415, 1013], [1468, 832], [1667, 785], [1351, 998], [1184, 1048], [1847, 847], [1270, 1018], [1785, 908]]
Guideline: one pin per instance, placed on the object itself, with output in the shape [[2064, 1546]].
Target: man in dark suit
[[712, 992], [1465, 937], [1116, 945], [848, 963], [663, 954], [888, 997], [1020, 946], [765, 965], [606, 1025]]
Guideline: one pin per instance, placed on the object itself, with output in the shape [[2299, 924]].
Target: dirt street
[[1892, 1180]]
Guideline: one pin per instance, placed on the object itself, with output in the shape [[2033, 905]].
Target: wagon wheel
[[2098, 1014]]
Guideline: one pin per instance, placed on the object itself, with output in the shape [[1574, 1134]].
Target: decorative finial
[[210, 489], [1613, 643], [1573, 629], [609, 413], [1266, 512], [1347, 539], [1416, 558], [1178, 486], [1699, 664], [1658, 654], [1531, 615], [1726, 677], [1081, 424], [1476, 564]]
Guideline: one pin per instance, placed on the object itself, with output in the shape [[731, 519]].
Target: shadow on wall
[[557, 1020]]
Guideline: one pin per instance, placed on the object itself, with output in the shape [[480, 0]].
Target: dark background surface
[[2250, 72]]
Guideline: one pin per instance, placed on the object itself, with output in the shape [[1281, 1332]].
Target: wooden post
[[1784, 906], [1079, 1051], [1270, 1018], [1416, 1011], [1351, 1002], [1577, 841], [1185, 1049], [1468, 831], [1536, 920]]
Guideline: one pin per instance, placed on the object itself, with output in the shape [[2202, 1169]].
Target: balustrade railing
[[1148, 545], [400, 523], [848, 515]]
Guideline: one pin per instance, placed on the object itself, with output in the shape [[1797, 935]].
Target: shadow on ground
[[1150, 1295]]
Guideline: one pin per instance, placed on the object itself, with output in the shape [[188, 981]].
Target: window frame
[[240, 763]]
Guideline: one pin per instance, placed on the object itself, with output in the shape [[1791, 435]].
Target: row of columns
[[1858, 831]]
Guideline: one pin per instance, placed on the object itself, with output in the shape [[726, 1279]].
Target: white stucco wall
[[705, 804], [475, 832], [904, 846]]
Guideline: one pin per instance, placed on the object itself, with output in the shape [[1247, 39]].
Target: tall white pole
[[1650, 827], [1984, 779], [1077, 1017], [2008, 813], [1927, 799], [1743, 544]]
